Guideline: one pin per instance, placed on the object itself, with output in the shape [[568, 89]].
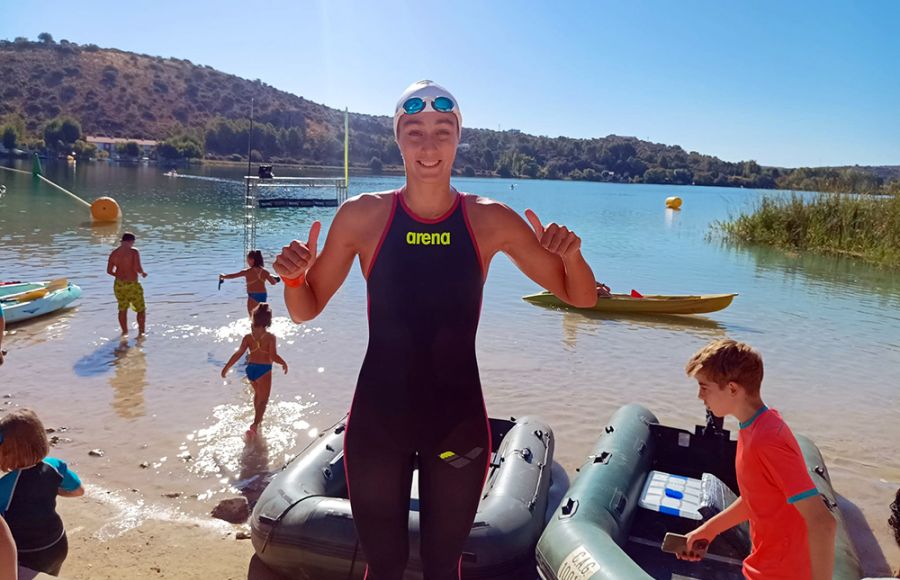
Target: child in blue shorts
[[28, 492], [262, 346], [256, 276]]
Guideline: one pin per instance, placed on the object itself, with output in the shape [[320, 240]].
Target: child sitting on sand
[[256, 277], [262, 347], [28, 492]]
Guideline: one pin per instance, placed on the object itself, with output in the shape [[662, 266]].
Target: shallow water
[[827, 327]]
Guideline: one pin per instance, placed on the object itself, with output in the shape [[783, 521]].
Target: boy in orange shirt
[[791, 529]]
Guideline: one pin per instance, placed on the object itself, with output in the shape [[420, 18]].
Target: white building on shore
[[109, 144]]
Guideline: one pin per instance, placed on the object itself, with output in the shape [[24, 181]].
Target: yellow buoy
[[105, 209], [673, 202]]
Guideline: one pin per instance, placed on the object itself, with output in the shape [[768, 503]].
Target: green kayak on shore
[[648, 304]]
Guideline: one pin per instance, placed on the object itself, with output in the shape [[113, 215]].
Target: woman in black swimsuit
[[424, 251]]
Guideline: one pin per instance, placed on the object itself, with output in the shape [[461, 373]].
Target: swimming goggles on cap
[[414, 105]]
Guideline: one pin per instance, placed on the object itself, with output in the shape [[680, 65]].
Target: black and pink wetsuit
[[418, 398]]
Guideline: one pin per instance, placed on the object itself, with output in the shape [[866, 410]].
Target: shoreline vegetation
[[859, 226]]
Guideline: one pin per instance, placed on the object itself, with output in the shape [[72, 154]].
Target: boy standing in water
[[791, 529], [125, 265]]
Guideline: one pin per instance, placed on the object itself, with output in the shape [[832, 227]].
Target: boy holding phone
[[792, 530]]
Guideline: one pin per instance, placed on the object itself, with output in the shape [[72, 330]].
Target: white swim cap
[[427, 91]]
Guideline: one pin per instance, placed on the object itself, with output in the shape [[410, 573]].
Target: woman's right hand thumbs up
[[298, 257]]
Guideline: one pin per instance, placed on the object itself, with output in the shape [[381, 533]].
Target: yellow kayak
[[28, 291], [649, 304]]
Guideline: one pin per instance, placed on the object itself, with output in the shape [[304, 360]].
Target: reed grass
[[862, 226]]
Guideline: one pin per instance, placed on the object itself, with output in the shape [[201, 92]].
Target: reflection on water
[[255, 468], [127, 360], [102, 359], [224, 456], [34, 331], [129, 379], [589, 321], [835, 273], [103, 233], [671, 217]]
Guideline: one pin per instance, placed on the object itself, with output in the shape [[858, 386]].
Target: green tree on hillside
[[84, 150], [128, 149], [293, 142], [655, 175], [180, 147], [487, 159], [10, 137], [61, 133]]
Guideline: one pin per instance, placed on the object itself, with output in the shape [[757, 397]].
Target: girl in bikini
[[256, 276], [261, 344]]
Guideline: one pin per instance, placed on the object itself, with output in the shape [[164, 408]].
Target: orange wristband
[[294, 282]]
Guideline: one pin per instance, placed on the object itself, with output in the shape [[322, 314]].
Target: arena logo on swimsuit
[[428, 239]]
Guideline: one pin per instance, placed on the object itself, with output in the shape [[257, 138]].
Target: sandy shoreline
[[111, 537], [154, 549]]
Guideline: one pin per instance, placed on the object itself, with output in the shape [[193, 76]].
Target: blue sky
[[784, 83]]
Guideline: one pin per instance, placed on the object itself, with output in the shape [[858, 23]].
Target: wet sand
[[156, 549]]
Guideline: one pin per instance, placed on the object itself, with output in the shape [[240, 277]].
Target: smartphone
[[674, 543], [677, 544]]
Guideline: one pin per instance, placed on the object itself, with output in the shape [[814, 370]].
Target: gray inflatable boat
[[303, 528], [600, 532]]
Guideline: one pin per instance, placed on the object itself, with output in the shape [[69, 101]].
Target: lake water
[[829, 330]]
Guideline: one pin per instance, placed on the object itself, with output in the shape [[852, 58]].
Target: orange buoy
[[673, 202], [105, 209]]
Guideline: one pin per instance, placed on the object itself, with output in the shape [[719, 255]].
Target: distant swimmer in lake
[[424, 251], [125, 264], [263, 352], [256, 276]]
